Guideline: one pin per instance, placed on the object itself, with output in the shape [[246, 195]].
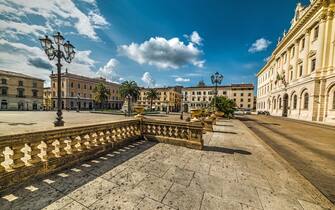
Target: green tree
[[225, 105], [152, 94], [101, 94], [129, 88]]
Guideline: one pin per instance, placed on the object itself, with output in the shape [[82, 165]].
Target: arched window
[[334, 99], [306, 100], [280, 104], [274, 103], [295, 101]]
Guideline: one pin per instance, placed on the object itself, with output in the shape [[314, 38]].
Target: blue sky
[[155, 43]]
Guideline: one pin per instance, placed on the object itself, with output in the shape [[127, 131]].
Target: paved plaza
[[234, 171], [15, 122]]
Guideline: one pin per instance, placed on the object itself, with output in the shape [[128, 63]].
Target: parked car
[[260, 112]]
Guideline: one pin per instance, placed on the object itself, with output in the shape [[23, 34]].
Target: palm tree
[[101, 94], [129, 88], [152, 94]]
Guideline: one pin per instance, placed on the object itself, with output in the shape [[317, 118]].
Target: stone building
[[298, 80], [168, 100], [77, 92], [200, 97], [47, 99], [20, 92]]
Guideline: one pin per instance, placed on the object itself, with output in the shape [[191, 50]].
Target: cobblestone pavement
[[309, 148], [234, 171]]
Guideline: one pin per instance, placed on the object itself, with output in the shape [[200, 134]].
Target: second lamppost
[[62, 50], [216, 80]]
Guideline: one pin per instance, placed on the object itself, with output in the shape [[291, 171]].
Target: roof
[[76, 76], [16, 74], [222, 86]]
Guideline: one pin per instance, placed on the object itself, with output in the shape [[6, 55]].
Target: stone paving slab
[[234, 171]]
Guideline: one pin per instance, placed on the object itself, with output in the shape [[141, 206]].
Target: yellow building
[[298, 80], [169, 99], [77, 92], [20, 92], [201, 97], [47, 99]]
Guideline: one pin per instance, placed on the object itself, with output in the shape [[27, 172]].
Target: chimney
[[66, 70]]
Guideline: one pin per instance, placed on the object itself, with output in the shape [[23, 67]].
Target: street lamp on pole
[[67, 53], [216, 79]]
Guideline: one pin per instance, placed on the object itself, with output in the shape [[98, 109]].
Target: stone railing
[[178, 133], [24, 156]]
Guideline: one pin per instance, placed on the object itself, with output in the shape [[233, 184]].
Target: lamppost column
[[59, 120]]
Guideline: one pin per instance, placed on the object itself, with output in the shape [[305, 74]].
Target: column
[[306, 60], [320, 51]]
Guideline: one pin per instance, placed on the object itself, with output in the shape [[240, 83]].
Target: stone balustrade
[[24, 156], [178, 133]]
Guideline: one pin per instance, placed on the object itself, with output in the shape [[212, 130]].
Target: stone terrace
[[234, 171]]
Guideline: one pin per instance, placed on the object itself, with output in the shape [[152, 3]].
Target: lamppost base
[[59, 123]]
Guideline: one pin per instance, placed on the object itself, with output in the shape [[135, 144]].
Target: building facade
[[47, 99], [77, 92], [201, 97], [20, 92], [298, 80], [169, 99]]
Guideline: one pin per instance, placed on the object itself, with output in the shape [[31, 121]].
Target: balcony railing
[[30, 155]]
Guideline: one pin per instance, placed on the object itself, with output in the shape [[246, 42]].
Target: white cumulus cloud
[[181, 79], [259, 45], [108, 71], [163, 53], [148, 80], [53, 13]]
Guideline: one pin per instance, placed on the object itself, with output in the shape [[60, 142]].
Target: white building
[[298, 80]]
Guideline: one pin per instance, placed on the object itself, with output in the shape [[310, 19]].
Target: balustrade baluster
[[101, 138], [61, 146], [50, 149], [75, 147], [17, 155], [2, 159], [35, 151]]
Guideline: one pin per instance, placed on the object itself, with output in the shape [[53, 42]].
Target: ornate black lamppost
[[216, 79], [67, 53]]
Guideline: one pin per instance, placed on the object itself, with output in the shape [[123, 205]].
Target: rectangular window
[[313, 65], [34, 85], [241, 94], [292, 52], [302, 43], [4, 91], [20, 83], [3, 81], [291, 76], [316, 32], [300, 70], [35, 93]]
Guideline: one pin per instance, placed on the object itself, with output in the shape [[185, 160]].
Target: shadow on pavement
[[41, 192], [226, 150], [227, 132]]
